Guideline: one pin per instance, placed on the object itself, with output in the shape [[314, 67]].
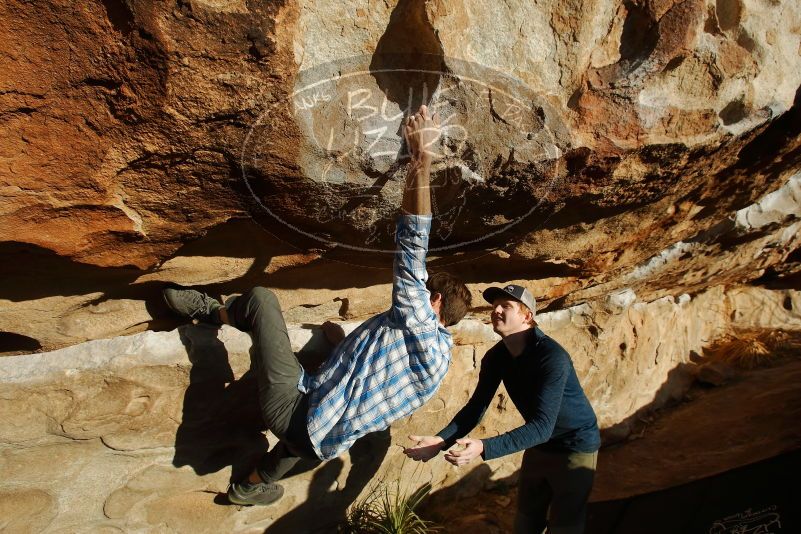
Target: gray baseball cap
[[518, 293]]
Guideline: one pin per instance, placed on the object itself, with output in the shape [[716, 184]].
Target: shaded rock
[[616, 433], [715, 373]]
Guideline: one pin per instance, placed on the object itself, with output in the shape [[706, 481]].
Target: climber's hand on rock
[[422, 132]]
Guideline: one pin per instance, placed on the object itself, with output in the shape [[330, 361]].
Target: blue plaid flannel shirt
[[390, 365]]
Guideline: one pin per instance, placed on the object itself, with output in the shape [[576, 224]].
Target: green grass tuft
[[388, 510]]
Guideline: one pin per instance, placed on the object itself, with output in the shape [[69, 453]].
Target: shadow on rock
[[221, 424], [469, 485], [672, 391], [327, 503]]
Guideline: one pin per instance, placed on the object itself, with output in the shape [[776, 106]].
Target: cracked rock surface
[[229, 144], [127, 124], [144, 432], [635, 165]]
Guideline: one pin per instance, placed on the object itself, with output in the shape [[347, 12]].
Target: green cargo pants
[[277, 371]]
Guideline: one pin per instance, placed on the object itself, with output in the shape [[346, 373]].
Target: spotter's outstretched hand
[[470, 450], [425, 447]]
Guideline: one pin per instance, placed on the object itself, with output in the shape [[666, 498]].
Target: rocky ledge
[[144, 432]]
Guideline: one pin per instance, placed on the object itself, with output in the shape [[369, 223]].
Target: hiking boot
[[261, 493], [192, 304]]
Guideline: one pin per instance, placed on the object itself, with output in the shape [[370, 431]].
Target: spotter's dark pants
[[553, 491]]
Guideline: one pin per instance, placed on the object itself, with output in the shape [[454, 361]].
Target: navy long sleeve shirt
[[543, 386]]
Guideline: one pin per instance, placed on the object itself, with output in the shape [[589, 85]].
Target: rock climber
[[384, 370]]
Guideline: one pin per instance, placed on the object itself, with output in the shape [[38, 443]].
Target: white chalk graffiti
[[765, 521]]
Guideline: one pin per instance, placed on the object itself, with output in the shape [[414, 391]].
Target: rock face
[[129, 126], [50, 302], [580, 142], [636, 165], [138, 432]]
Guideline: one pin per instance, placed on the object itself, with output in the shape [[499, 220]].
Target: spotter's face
[[509, 317]]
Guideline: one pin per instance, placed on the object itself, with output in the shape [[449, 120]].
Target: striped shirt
[[390, 365]]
